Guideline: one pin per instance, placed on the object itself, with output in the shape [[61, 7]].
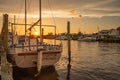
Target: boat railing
[[53, 47], [45, 46]]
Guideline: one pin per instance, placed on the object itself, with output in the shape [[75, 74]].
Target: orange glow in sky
[[36, 33], [85, 15]]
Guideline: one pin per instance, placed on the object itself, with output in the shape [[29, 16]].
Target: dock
[[5, 67]]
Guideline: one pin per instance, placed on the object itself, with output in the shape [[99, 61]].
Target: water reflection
[[47, 73], [90, 61]]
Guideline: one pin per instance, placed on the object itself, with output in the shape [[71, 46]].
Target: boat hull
[[30, 59]]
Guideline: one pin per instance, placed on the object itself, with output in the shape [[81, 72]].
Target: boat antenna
[[40, 17], [53, 20]]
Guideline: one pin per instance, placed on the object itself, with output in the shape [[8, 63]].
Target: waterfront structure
[[102, 34], [114, 32]]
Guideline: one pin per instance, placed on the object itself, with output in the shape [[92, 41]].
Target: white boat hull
[[27, 59]]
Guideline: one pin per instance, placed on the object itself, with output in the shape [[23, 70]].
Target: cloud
[[114, 4], [94, 8]]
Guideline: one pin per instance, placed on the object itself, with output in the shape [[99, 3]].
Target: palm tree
[[118, 28]]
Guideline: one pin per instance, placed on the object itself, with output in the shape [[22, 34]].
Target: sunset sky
[[85, 15]]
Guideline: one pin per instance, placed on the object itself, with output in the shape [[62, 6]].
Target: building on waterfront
[[103, 33], [111, 33], [114, 32]]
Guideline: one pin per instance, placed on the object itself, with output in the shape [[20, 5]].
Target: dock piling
[[69, 50], [6, 69]]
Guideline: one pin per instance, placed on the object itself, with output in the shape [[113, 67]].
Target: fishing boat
[[26, 55], [87, 38]]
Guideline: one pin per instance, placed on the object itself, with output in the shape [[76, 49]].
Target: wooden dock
[[6, 68]]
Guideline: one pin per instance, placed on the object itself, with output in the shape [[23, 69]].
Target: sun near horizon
[[85, 16]]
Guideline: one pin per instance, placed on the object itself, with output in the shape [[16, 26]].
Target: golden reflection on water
[[90, 61]]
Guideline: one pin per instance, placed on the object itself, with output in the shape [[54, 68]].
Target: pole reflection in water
[[69, 51], [68, 73], [47, 73]]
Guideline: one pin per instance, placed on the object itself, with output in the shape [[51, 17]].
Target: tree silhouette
[[118, 28]]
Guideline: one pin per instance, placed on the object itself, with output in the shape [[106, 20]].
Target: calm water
[[90, 61]]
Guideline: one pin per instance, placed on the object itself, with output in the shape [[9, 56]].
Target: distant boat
[[87, 39], [61, 38], [24, 55]]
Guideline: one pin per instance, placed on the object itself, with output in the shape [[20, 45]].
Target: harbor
[[88, 63], [59, 40]]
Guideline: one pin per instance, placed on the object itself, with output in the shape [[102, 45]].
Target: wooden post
[[69, 50], [25, 19], [40, 17], [29, 39], [12, 33], [37, 42], [14, 24], [42, 33], [6, 69], [55, 36]]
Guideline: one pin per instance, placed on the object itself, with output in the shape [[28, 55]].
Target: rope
[[19, 17], [29, 3], [52, 15], [51, 12]]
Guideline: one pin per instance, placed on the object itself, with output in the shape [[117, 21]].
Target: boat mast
[[14, 24], [25, 19], [40, 17], [13, 29]]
